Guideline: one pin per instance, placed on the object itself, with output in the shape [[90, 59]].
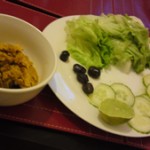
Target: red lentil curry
[[16, 70]]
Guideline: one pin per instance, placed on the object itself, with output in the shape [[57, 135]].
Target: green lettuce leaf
[[107, 40]]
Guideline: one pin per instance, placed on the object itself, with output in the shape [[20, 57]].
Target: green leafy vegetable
[[107, 40]]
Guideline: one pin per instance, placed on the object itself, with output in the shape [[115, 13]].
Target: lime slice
[[115, 112]]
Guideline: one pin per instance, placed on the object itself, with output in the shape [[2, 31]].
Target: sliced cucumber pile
[[141, 121], [116, 91], [140, 104]]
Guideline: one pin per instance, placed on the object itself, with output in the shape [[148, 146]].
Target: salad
[[121, 41], [107, 40]]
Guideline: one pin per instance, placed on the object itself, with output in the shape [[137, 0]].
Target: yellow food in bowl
[[16, 70]]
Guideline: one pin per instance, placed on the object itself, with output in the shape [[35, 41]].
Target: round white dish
[[69, 92]]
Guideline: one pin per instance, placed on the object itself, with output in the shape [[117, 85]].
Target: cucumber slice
[[102, 91], [148, 90], [146, 79], [123, 93], [142, 106], [140, 123], [146, 96]]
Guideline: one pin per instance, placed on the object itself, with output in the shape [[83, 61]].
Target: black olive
[[78, 68], [87, 88], [64, 55], [94, 72], [82, 78]]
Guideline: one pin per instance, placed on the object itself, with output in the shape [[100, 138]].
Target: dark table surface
[[15, 135]]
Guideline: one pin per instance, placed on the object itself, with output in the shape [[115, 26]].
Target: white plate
[[68, 90]]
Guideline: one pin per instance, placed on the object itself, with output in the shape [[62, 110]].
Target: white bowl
[[36, 47]]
